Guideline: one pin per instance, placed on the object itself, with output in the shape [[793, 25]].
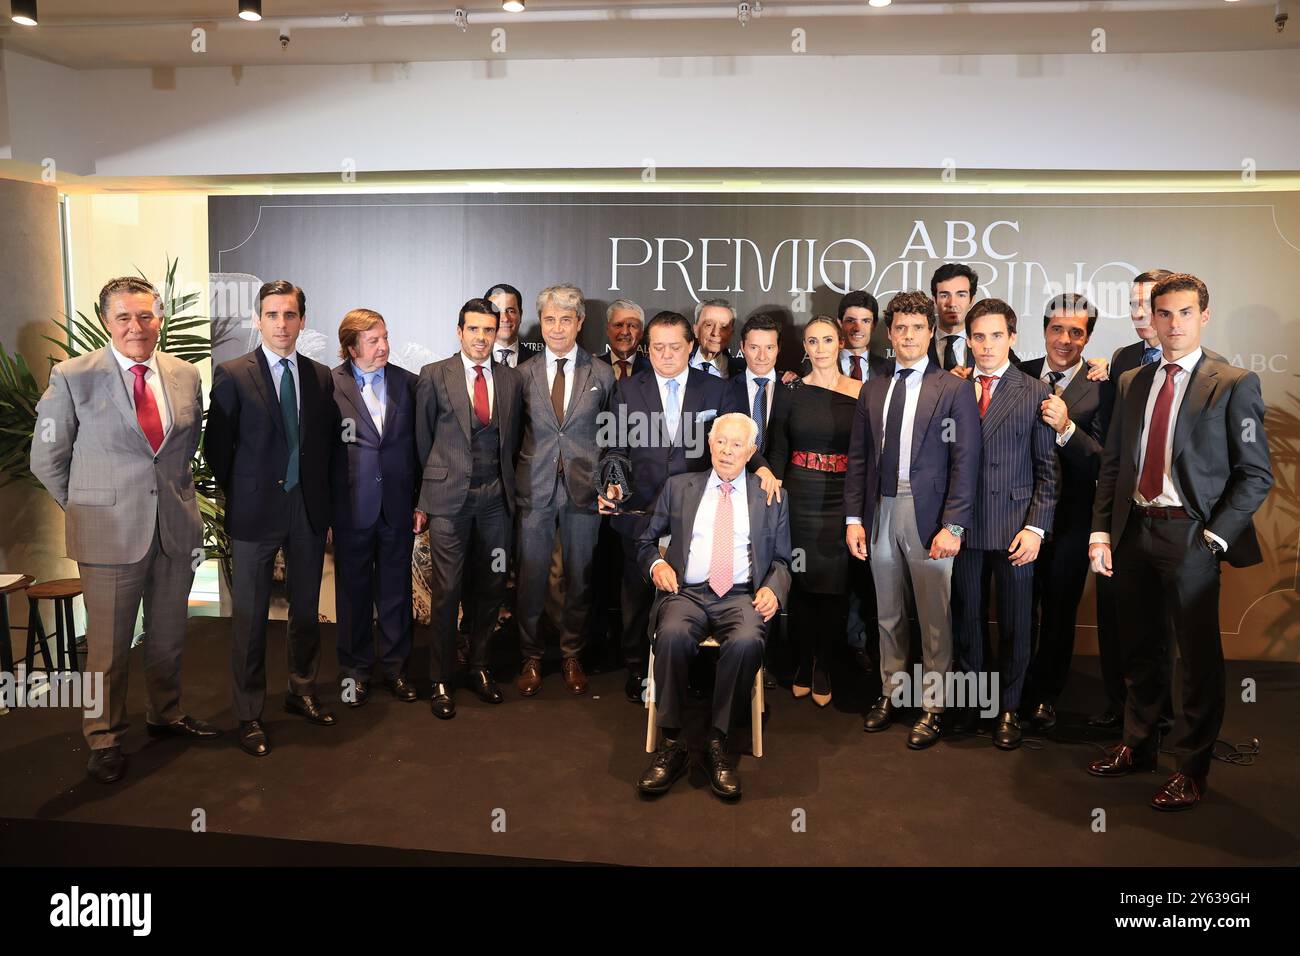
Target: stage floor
[[551, 779]]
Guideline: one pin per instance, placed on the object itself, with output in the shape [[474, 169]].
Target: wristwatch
[[956, 529], [1213, 545]]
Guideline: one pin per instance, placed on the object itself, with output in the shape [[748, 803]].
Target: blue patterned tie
[[1150, 354], [759, 412], [673, 411]]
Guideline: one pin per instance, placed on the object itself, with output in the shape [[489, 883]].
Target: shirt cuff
[[1099, 537], [654, 562], [853, 520], [1064, 437], [1037, 531], [1221, 543]]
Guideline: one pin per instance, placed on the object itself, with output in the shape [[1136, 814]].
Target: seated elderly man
[[726, 573]]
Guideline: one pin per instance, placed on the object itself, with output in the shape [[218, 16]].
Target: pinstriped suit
[[1019, 478]]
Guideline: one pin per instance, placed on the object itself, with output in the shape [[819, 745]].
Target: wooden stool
[[6, 649], [61, 592]]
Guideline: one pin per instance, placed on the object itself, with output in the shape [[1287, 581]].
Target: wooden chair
[[61, 592], [757, 704]]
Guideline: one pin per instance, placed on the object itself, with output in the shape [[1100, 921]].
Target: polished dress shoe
[[1121, 760], [1007, 736], [486, 688], [880, 716], [253, 739], [864, 662], [1043, 719], [574, 679], [1180, 792], [925, 732], [107, 765], [635, 687], [402, 689], [1106, 720], [444, 708], [723, 778], [308, 706], [357, 694], [529, 680], [670, 761], [187, 727]]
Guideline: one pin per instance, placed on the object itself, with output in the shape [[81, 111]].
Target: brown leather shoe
[[1180, 792], [529, 681], [574, 678], [1121, 760]]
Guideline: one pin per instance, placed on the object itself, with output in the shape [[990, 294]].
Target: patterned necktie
[[505, 355], [372, 401], [557, 391], [889, 459], [856, 374], [1150, 354], [1054, 379], [759, 411], [721, 573], [986, 391], [146, 409], [672, 411], [289, 412], [482, 409], [1152, 481], [950, 352], [624, 368]]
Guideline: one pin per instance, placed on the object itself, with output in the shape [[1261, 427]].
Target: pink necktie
[[146, 409], [720, 570]]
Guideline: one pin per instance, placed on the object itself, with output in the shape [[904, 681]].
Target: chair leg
[[71, 623], [6, 649], [35, 635], [652, 712], [756, 709], [60, 637]]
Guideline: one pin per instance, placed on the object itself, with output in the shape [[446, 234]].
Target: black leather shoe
[[308, 706], [635, 687], [442, 705], [964, 720], [1121, 760], [486, 688], [1044, 718], [357, 694], [671, 760], [722, 776], [880, 716], [185, 727], [402, 689], [1106, 720], [253, 739], [1007, 736], [925, 732], [107, 765]]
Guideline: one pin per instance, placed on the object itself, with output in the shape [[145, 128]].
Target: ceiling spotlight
[[460, 18], [23, 12], [879, 3], [513, 6], [250, 9], [742, 13]]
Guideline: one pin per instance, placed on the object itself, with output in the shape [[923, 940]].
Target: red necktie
[[1152, 481], [986, 391], [624, 368], [857, 367], [481, 408], [146, 409]]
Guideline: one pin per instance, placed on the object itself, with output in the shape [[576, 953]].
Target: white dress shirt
[[959, 347], [699, 550], [910, 399], [662, 382], [720, 367], [277, 372], [846, 362], [751, 389], [568, 373], [512, 353], [152, 381], [471, 376]]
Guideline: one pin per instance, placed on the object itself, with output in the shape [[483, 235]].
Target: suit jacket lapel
[[1135, 410], [1078, 387], [690, 508], [346, 382], [581, 372], [390, 401], [172, 387], [116, 386], [926, 403], [261, 373], [1204, 378], [757, 514], [453, 379], [1004, 398]]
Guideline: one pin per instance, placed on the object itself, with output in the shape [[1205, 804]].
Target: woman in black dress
[[809, 453]]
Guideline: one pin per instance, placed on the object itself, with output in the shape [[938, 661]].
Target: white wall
[[1062, 112]]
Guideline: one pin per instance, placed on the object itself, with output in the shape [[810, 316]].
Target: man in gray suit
[[564, 396], [726, 572], [468, 415], [116, 431]]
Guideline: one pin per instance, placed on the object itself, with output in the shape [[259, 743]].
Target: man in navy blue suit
[[375, 522], [715, 321], [1015, 500], [624, 328], [659, 423]]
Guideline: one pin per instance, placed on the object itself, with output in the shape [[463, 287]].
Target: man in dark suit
[[1142, 352], [1075, 410], [624, 327], [1185, 468], [469, 416], [715, 321], [1019, 481], [564, 394], [375, 522], [913, 467], [659, 424], [272, 424], [858, 312], [758, 391], [953, 287], [726, 572], [509, 349]]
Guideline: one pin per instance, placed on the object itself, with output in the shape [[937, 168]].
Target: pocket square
[[594, 388], [706, 415]]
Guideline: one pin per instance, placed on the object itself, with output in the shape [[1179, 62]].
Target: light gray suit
[[133, 524], [556, 483]]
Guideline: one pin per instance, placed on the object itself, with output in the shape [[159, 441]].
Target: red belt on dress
[[816, 461]]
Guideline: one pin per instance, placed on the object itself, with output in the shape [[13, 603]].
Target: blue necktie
[[759, 412], [1150, 354], [289, 412], [893, 436], [673, 411]]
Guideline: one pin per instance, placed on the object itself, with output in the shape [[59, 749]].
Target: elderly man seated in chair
[[726, 573]]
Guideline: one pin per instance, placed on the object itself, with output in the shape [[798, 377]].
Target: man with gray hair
[[624, 325], [715, 321], [117, 429]]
